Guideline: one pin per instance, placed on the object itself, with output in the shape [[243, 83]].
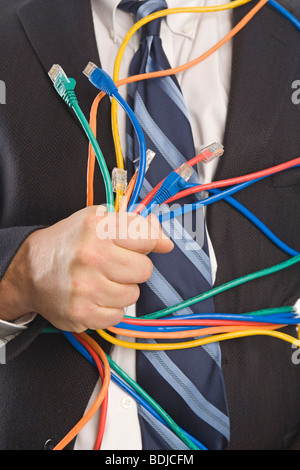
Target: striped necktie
[[187, 383]]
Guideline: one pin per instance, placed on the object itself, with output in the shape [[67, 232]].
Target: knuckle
[[104, 253], [133, 294], [77, 328], [128, 294], [76, 318], [146, 269], [144, 244], [82, 254], [75, 288], [114, 317], [154, 221], [89, 221], [88, 255]]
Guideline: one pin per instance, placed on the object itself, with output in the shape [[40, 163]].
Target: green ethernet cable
[[65, 88]]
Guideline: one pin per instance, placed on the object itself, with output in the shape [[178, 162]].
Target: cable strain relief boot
[[162, 195], [100, 79], [70, 98]]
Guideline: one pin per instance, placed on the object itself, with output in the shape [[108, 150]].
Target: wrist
[[15, 286]]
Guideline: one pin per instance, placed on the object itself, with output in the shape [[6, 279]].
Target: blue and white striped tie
[[188, 383]]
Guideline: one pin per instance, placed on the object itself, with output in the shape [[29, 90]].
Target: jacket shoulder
[[9, 7]]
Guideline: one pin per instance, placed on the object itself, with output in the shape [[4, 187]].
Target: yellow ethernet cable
[[131, 32], [197, 342]]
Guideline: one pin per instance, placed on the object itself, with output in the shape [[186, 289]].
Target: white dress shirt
[[206, 91]]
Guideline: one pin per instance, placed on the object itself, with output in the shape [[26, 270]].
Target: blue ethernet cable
[[80, 348], [260, 225], [205, 202], [220, 195], [104, 82], [175, 182], [279, 319], [285, 13], [174, 329]]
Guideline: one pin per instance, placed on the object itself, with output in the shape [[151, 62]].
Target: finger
[[163, 244], [97, 318], [104, 317], [125, 266], [116, 295], [142, 235]]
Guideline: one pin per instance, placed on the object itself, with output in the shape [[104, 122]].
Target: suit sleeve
[[11, 239]]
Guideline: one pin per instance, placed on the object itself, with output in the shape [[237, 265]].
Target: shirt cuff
[[8, 330]]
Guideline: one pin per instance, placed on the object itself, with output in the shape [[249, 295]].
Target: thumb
[[163, 243]]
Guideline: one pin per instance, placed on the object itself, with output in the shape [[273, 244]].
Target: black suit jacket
[[43, 158]]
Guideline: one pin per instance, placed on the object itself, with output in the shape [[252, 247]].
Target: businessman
[[55, 270]]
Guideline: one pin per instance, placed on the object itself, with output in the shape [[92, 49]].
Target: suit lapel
[[62, 32]]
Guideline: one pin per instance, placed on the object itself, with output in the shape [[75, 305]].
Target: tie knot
[[143, 9]]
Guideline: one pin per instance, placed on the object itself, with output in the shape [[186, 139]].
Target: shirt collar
[[184, 24], [180, 24], [108, 12]]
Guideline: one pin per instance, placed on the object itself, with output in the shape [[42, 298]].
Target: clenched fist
[[83, 271]]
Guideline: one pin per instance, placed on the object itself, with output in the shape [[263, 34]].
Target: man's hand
[[83, 271]]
